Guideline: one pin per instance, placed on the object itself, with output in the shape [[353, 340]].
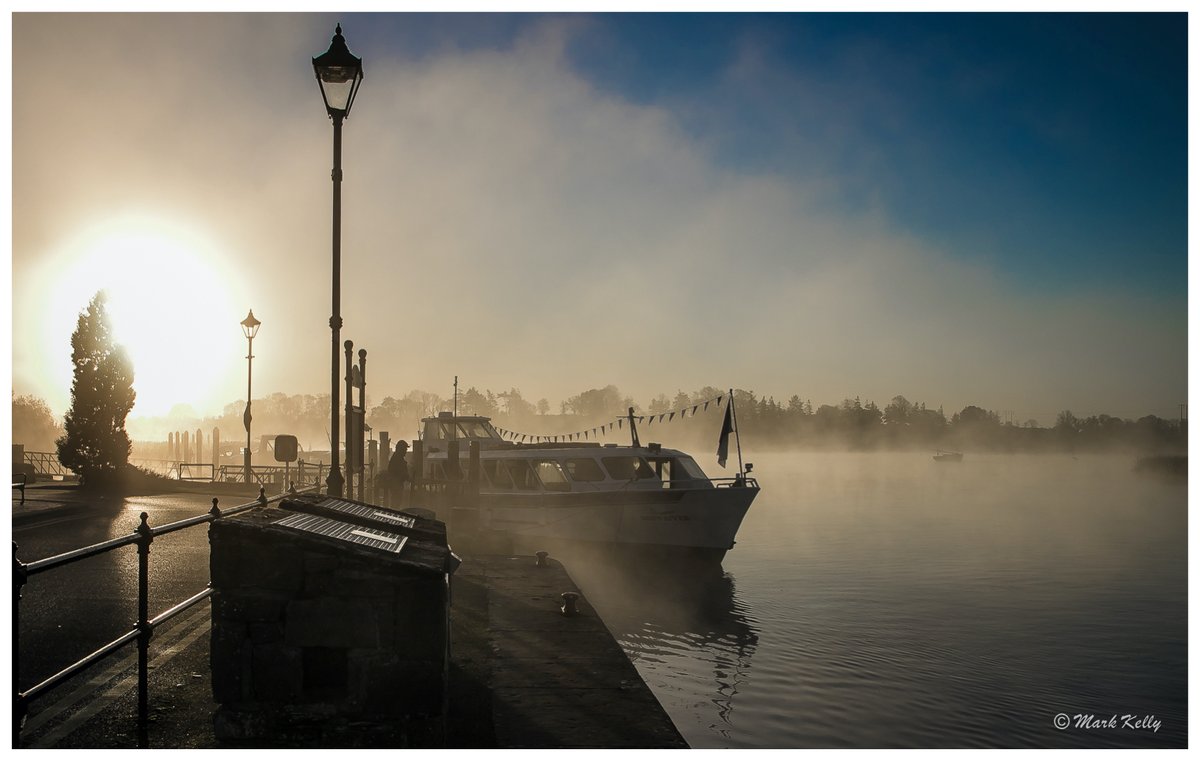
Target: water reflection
[[682, 625]]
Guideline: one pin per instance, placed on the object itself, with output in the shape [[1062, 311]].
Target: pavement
[[522, 674]]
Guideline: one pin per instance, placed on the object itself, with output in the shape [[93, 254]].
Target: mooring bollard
[[262, 495], [568, 607], [541, 559]]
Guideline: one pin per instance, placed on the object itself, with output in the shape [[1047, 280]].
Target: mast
[[633, 429]]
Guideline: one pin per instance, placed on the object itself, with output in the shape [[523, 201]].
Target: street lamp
[[339, 73], [250, 330]]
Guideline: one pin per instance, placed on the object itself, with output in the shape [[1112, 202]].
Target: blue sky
[[985, 209], [1052, 146]]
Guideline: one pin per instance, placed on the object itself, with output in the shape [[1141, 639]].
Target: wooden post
[[416, 468], [349, 471], [473, 474], [361, 442]]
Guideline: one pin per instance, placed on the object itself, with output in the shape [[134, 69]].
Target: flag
[[726, 429], [246, 417]]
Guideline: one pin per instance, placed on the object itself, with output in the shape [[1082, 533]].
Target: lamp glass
[[250, 325]]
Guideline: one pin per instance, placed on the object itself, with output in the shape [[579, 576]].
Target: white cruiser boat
[[632, 495]]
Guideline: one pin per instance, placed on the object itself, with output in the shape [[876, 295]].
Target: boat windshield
[[463, 430], [473, 429], [628, 468]]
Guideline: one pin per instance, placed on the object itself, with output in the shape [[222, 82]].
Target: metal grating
[[368, 511], [347, 532]]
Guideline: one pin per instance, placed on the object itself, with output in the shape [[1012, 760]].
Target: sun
[[170, 301]]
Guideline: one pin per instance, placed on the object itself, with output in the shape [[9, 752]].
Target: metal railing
[[268, 475], [195, 471], [46, 464], [144, 628]]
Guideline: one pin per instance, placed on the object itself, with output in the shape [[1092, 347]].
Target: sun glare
[[170, 305]]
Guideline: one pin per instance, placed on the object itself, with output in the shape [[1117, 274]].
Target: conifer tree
[[95, 444]]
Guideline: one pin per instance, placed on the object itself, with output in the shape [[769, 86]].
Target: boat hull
[[702, 520]]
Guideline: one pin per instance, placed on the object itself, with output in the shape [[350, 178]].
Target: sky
[[985, 209]]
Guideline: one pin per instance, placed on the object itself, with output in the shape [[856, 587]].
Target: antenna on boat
[[633, 429], [456, 396], [737, 431]]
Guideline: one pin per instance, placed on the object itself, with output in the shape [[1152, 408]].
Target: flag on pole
[[726, 429], [246, 417]]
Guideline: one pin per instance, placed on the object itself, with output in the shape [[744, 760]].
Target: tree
[[33, 424], [95, 444]]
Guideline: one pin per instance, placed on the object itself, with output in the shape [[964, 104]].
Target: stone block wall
[[317, 641]]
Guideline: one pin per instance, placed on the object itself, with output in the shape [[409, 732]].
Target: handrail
[[144, 629]]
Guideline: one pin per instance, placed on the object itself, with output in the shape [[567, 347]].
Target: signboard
[[285, 448]]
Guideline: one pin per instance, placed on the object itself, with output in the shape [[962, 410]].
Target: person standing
[[397, 474]]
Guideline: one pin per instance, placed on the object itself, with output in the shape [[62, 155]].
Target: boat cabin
[[562, 466]]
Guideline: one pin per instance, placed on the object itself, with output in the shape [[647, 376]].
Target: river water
[[885, 600]]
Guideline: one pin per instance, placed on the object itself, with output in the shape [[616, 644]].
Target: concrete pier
[[550, 681], [522, 675]]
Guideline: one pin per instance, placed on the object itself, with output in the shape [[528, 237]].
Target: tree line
[[93, 441], [764, 422]]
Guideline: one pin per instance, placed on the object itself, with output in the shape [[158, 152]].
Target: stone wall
[[318, 641]]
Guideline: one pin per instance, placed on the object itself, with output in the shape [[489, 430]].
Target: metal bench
[[19, 480]]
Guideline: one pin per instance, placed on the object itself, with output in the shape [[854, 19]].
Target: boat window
[[446, 431], [628, 468], [497, 476], [472, 429], [551, 475], [663, 469], [521, 474], [688, 468], [584, 469]]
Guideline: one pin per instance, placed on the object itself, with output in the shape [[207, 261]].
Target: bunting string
[[594, 434]]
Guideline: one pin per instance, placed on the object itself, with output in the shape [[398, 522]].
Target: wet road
[[69, 612]]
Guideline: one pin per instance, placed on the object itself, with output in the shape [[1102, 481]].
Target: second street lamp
[[250, 330], [339, 73]]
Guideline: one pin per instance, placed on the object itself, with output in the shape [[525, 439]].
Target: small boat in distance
[[948, 456]]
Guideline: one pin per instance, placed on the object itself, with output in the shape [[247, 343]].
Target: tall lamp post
[[339, 73], [250, 330]]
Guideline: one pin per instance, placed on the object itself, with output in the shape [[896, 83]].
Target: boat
[[948, 456], [647, 497]]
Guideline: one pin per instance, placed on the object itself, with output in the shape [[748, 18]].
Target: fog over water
[[888, 600]]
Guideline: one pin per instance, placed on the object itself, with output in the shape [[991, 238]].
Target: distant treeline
[[763, 422]]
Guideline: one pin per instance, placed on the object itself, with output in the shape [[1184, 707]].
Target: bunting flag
[[726, 429], [619, 423]]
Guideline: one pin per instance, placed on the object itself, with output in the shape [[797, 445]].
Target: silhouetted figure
[[397, 474]]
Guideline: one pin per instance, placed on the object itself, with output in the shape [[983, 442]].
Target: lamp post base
[[334, 483]]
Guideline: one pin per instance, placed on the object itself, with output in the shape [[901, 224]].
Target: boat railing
[[735, 482]]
